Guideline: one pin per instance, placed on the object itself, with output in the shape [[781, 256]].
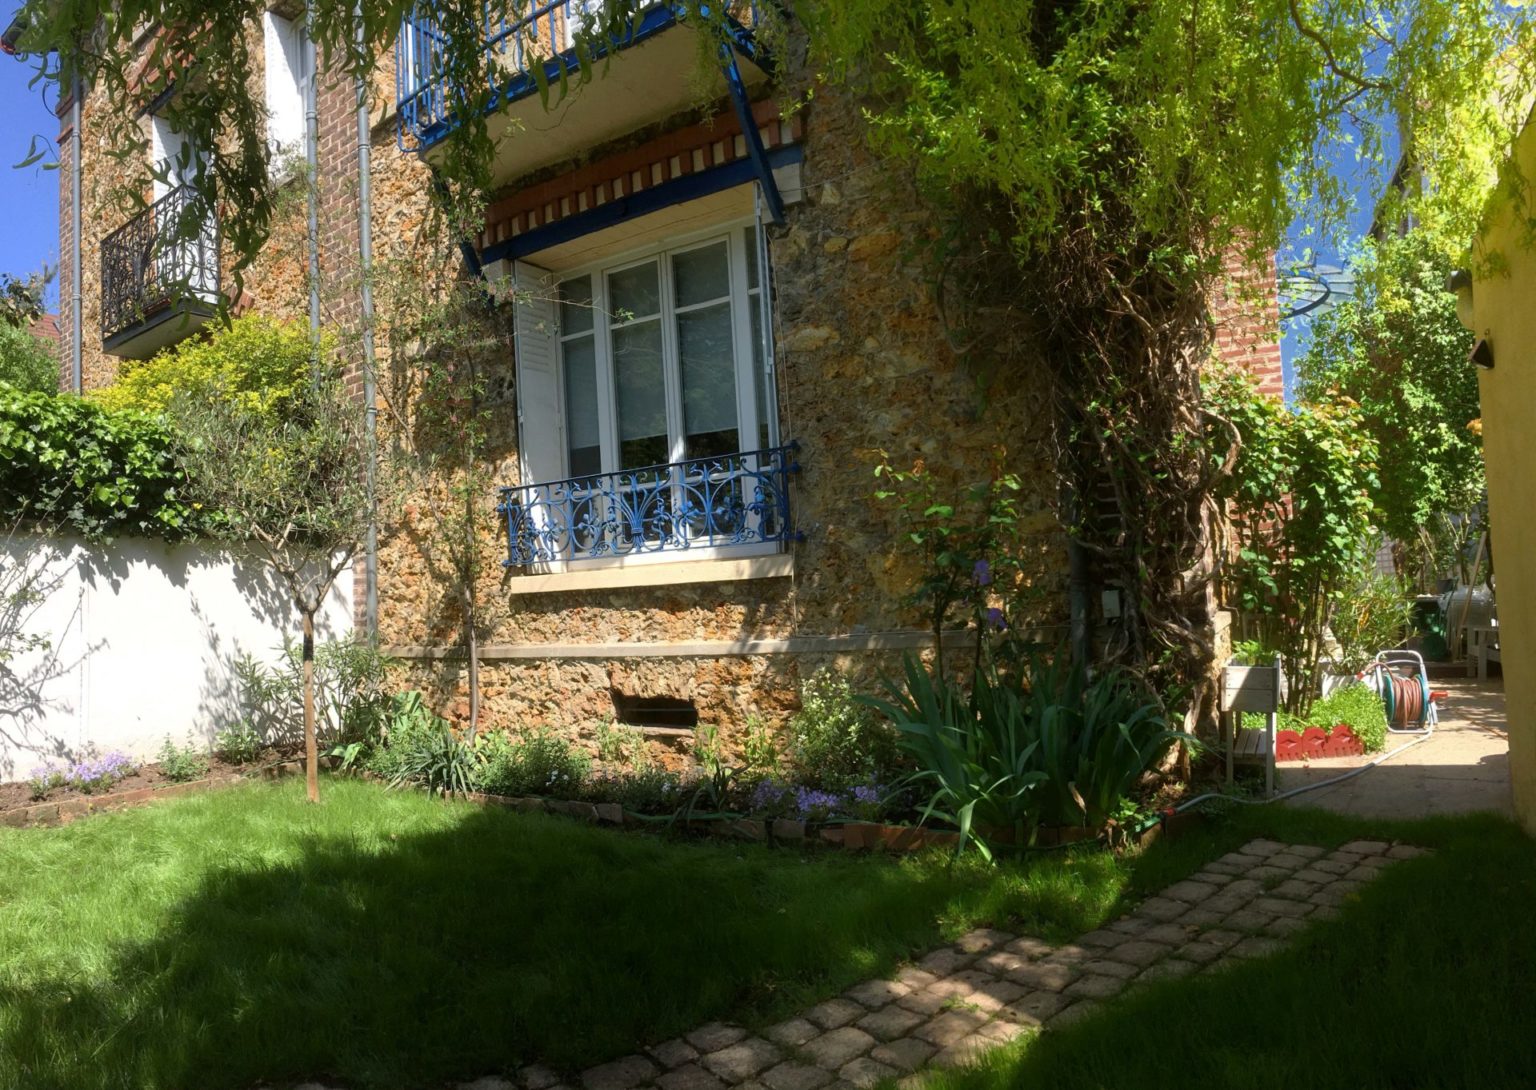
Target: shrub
[[835, 739], [351, 701], [1371, 614], [237, 745], [99, 773], [1005, 759], [27, 362], [254, 361], [95, 472], [537, 763], [182, 764], [44, 778], [1357, 705], [618, 744], [651, 790]]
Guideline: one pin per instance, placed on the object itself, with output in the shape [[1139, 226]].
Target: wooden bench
[[1251, 689]]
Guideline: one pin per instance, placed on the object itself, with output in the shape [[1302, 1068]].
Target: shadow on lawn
[[503, 940]]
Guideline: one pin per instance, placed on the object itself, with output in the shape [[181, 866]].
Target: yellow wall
[[1504, 312]]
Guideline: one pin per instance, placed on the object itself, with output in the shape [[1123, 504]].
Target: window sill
[[773, 566]]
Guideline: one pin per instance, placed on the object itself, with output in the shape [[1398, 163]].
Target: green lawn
[[387, 940], [1428, 979]]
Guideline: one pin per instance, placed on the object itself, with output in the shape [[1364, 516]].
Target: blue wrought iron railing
[[736, 500], [521, 38]]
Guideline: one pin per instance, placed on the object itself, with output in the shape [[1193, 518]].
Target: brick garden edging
[[991, 986], [67, 810]]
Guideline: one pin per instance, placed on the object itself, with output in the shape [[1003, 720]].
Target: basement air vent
[[657, 712]]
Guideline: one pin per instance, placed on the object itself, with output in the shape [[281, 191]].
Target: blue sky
[[30, 196]]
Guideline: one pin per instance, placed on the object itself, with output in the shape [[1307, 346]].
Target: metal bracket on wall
[[754, 136]]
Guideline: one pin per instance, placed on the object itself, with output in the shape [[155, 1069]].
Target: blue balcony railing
[[736, 500], [521, 37]]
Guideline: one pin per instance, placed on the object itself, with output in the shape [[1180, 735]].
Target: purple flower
[[981, 574], [769, 795], [995, 619], [813, 805], [867, 794]]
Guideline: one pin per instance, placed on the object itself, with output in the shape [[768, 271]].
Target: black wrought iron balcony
[[736, 501], [159, 277]]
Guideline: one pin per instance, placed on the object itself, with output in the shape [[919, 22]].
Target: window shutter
[[540, 417]]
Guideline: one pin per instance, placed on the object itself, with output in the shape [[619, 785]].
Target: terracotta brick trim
[[666, 158]]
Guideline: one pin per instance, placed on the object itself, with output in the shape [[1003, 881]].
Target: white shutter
[[540, 416]]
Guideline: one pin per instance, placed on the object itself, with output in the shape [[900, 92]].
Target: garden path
[[1462, 768], [992, 986]]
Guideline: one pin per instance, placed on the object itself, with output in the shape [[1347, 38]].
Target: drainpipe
[[312, 164], [370, 397], [76, 327]]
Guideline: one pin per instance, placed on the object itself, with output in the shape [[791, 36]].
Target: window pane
[[576, 305], [642, 399], [583, 439], [765, 406], [709, 381], [702, 274], [749, 240], [635, 293]]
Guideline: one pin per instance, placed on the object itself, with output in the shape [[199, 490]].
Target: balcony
[[529, 42], [157, 286], [737, 504]]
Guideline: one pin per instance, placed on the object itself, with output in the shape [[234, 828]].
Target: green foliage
[[423, 750], [1301, 495], [652, 790], [90, 471], [237, 745], [1397, 349], [1010, 757], [537, 762], [618, 744], [182, 764], [760, 749], [1371, 614], [968, 544], [21, 302], [836, 740], [1358, 706], [27, 362], [352, 703], [256, 363]]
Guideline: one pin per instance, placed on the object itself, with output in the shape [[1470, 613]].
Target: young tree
[[26, 362], [291, 486], [1397, 348]]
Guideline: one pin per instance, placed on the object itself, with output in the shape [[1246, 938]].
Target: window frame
[[745, 301]]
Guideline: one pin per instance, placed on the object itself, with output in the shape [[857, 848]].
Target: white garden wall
[[143, 638]]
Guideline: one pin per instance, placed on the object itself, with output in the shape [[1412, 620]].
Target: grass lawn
[[1428, 979], [387, 940]]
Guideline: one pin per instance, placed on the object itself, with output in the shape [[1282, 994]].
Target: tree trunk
[[311, 749]]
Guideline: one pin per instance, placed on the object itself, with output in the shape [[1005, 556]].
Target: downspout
[[370, 397], [76, 301], [312, 165]]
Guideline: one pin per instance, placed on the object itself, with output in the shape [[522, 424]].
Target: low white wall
[[143, 637]]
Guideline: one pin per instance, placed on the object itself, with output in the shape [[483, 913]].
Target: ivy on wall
[[74, 466]]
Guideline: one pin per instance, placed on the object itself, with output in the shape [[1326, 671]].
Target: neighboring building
[[719, 327]]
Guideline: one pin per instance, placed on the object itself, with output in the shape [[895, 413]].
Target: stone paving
[[1462, 768], [992, 986]]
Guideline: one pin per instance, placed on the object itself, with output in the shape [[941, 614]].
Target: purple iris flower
[[996, 620], [982, 573]]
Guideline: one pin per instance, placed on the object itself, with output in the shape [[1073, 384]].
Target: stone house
[[718, 324]]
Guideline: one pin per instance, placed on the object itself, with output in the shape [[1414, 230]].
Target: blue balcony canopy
[[526, 43]]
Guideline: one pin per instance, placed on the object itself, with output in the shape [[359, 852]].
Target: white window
[[190, 264], [644, 391], [284, 48], [662, 358]]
